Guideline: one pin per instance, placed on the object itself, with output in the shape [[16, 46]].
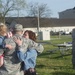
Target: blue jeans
[[29, 58]]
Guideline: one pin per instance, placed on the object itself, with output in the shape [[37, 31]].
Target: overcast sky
[[56, 5]]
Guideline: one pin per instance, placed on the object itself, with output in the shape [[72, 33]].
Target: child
[[3, 30]]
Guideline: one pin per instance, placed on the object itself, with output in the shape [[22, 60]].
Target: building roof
[[68, 10], [31, 22]]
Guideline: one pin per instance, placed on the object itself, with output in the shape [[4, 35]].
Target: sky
[[56, 6]]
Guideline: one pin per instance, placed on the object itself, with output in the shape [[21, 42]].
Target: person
[[73, 48], [12, 65], [3, 34], [30, 52], [3, 30], [29, 58]]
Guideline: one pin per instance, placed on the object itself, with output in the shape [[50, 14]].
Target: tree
[[35, 8], [10, 5]]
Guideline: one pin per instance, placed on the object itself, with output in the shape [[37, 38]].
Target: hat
[[18, 27]]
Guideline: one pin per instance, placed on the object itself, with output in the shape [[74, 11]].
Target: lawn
[[54, 63]]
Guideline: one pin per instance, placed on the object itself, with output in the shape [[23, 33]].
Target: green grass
[[54, 63]]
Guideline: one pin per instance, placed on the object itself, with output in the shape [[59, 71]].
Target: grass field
[[54, 63]]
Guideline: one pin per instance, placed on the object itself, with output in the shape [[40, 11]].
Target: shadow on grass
[[53, 55], [54, 67], [60, 67], [40, 66], [61, 73], [45, 54], [61, 56]]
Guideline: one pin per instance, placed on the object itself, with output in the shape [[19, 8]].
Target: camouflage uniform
[[11, 62]]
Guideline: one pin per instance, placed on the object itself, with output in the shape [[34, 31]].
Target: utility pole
[[38, 16]]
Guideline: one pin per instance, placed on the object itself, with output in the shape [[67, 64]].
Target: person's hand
[[9, 47], [18, 41], [9, 34]]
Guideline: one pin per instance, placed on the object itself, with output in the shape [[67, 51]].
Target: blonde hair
[[3, 29]]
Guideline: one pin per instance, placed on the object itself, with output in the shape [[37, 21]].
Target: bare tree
[[35, 8], [10, 5]]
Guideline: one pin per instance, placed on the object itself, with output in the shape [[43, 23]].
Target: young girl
[[3, 34], [3, 30]]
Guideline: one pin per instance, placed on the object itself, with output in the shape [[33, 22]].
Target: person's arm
[[1, 46], [1, 60], [1, 40], [38, 47], [9, 43], [31, 44], [21, 55], [1, 52]]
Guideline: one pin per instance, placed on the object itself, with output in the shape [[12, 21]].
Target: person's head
[[3, 29], [30, 35], [18, 28]]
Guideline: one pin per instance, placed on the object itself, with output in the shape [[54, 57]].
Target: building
[[67, 14], [46, 24]]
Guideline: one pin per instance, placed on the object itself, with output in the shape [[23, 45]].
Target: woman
[[29, 58]]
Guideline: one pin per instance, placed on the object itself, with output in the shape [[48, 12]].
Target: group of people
[[18, 51]]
